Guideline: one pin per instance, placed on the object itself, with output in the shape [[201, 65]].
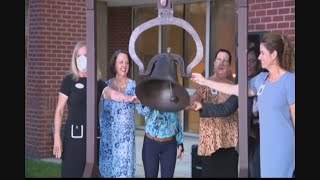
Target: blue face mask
[[82, 63]]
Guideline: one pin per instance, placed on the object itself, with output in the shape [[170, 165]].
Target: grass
[[37, 169]]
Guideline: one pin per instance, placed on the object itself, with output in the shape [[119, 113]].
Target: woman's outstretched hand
[[198, 78], [133, 99], [195, 106]]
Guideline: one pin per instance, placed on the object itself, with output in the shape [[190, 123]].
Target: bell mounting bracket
[[165, 17]]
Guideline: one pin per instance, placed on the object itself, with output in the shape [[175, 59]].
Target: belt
[[160, 139]]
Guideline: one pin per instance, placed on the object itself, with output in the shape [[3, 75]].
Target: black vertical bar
[[91, 90], [243, 87]]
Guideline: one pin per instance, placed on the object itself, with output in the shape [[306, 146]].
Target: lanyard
[[261, 88]]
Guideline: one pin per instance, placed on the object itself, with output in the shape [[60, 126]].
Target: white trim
[[63, 94], [76, 137]]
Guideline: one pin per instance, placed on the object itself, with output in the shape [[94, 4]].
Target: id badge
[[261, 88], [214, 92]]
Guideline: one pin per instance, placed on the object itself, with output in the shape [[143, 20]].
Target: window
[[217, 32]]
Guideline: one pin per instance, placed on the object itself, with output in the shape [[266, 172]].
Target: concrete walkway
[[183, 167]]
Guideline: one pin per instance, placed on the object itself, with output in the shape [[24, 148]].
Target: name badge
[[214, 92], [261, 88]]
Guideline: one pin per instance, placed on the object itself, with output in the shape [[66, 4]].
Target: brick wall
[[119, 29], [54, 28], [274, 16]]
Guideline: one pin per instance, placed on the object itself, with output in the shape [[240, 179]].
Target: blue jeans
[[154, 152]]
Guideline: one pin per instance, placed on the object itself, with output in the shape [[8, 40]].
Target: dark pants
[[154, 152], [221, 164], [254, 158]]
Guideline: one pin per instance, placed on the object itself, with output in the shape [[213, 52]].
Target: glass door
[[215, 23]]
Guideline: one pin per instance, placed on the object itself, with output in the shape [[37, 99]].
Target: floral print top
[[117, 155], [164, 124]]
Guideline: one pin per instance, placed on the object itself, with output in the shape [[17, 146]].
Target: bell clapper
[[173, 98]]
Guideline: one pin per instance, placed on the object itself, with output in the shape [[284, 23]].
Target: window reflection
[[222, 35]]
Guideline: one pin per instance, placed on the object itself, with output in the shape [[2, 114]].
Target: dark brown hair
[[226, 51], [284, 48], [112, 67], [256, 51]]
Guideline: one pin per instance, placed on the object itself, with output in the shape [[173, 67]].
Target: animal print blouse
[[216, 132]]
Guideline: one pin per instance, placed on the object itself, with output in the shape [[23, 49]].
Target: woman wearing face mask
[[73, 92]]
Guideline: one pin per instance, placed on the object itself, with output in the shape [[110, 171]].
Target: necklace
[[121, 86]]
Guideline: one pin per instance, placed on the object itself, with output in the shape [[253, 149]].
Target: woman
[[162, 138], [218, 123], [73, 92], [254, 68], [117, 156], [276, 93]]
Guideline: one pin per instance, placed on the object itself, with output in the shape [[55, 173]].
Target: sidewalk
[[183, 167]]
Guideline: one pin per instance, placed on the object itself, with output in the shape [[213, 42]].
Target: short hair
[[226, 51]]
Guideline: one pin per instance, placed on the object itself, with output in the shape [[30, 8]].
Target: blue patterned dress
[[117, 136]]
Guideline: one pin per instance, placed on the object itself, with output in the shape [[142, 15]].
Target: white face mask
[[82, 63]]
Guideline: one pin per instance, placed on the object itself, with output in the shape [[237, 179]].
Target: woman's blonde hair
[[73, 65]]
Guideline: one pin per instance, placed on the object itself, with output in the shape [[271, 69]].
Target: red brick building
[[54, 26]]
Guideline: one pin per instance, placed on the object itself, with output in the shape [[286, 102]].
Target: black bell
[[161, 89]]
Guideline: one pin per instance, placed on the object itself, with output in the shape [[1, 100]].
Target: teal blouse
[[163, 125]]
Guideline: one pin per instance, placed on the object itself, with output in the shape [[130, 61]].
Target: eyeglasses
[[224, 62], [250, 61]]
